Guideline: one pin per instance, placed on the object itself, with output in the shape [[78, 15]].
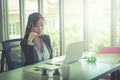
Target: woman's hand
[[31, 37]]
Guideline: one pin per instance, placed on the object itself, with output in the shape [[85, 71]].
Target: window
[[73, 21], [117, 23], [99, 24], [13, 18], [51, 15]]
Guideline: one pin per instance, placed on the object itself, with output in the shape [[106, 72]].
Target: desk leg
[[118, 74], [115, 75]]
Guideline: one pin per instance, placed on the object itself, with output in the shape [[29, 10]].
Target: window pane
[[30, 7], [13, 19], [51, 15], [99, 22], [73, 21], [118, 22]]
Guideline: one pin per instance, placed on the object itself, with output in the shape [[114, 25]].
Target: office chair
[[109, 50], [13, 54], [0, 59]]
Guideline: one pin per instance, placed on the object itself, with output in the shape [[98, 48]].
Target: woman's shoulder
[[24, 41], [45, 36]]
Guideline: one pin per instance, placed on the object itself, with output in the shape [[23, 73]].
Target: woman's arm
[[29, 53]]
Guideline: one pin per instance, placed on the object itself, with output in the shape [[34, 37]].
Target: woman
[[36, 45]]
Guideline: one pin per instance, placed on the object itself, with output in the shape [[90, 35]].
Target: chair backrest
[[0, 58], [109, 50], [13, 53]]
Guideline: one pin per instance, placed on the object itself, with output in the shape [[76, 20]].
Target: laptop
[[74, 53]]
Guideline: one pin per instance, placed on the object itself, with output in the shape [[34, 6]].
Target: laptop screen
[[74, 52]]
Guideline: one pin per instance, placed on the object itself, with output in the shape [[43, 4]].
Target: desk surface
[[80, 70]]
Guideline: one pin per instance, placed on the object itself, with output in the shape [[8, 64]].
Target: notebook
[[46, 66], [74, 53]]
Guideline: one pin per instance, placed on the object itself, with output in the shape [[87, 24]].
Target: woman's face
[[38, 27]]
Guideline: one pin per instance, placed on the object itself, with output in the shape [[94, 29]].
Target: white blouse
[[43, 56]]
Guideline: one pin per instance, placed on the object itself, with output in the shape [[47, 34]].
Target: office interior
[[95, 21]]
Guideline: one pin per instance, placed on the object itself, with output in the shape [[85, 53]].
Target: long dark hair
[[32, 19]]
